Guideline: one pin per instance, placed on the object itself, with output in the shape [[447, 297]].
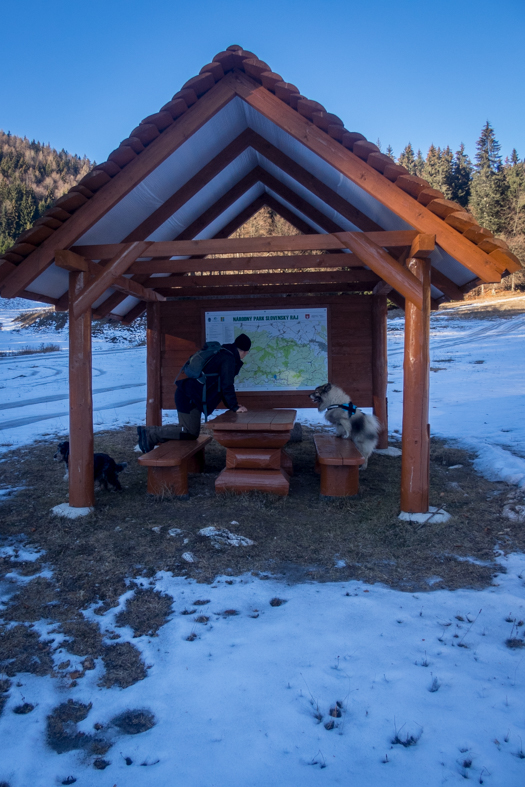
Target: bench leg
[[168, 480], [196, 462], [339, 481]]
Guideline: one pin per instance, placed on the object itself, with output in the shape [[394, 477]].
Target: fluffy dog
[[106, 469], [361, 428]]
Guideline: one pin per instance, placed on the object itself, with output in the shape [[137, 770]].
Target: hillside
[[32, 177]]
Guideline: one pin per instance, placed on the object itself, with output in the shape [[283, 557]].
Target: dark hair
[[243, 342]]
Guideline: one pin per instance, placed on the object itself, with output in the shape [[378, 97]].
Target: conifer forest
[[33, 176]]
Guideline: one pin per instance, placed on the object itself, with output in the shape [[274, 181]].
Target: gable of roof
[[233, 74]]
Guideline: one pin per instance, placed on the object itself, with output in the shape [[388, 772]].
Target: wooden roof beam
[[313, 184], [336, 260], [192, 186], [106, 277], [299, 203], [360, 173], [228, 246], [288, 215], [126, 180], [113, 301], [386, 267], [267, 289], [304, 277], [72, 262]]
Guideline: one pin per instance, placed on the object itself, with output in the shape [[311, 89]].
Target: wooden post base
[[239, 481]]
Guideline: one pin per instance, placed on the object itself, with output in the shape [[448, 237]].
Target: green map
[[289, 348]]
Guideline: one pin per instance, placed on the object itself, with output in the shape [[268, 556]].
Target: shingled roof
[[296, 155]]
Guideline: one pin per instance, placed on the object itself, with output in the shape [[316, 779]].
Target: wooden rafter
[[360, 173], [277, 262], [314, 185], [248, 279], [269, 289], [192, 187], [106, 276], [115, 299], [70, 261], [300, 204], [138, 169], [188, 248], [386, 267], [288, 215]]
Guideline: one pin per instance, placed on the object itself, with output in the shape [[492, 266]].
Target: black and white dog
[[106, 469], [349, 422]]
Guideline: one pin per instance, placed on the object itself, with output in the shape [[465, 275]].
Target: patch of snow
[[220, 537], [390, 451], [435, 515], [70, 512], [514, 512], [9, 492], [189, 557]]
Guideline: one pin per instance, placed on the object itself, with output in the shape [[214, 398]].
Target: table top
[[255, 421]]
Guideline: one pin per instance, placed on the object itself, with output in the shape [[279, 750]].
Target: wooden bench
[[338, 461], [169, 464]]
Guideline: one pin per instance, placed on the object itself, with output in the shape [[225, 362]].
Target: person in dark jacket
[[220, 372]]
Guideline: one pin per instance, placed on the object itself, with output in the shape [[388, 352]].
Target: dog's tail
[[366, 426], [122, 466]]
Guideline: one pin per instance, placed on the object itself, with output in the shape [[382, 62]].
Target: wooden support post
[[81, 481], [153, 360], [379, 364], [415, 463]]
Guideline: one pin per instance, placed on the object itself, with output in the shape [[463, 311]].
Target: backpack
[[194, 369], [194, 366]]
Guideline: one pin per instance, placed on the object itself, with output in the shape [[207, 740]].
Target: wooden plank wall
[[350, 345]]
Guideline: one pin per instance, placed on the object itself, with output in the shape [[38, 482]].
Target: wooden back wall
[[349, 345]]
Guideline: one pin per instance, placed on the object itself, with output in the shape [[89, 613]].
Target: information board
[[289, 347]]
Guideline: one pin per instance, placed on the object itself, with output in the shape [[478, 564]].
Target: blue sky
[[81, 75]]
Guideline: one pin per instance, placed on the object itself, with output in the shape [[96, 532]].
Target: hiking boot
[[150, 436]]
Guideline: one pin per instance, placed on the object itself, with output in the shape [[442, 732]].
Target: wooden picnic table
[[255, 459]]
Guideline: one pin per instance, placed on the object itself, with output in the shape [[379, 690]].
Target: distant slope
[[32, 177]]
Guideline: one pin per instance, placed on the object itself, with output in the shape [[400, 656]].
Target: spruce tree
[[431, 170], [407, 159], [420, 164], [488, 197], [461, 177], [390, 152], [515, 177], [445, 172]]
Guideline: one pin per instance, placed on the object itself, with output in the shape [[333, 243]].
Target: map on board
[[289, 347]]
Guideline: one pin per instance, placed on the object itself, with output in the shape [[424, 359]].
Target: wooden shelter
[[137, 233]]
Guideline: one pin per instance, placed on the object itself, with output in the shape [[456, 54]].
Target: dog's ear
[[327, 388]]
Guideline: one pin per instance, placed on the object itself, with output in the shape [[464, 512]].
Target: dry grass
[[298, 538]]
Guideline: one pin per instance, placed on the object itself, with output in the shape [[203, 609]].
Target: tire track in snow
[[58, 397], [33, 419]]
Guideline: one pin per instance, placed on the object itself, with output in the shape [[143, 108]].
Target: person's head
[[243, 344]]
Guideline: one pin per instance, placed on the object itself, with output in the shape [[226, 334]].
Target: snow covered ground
[[343, 683]]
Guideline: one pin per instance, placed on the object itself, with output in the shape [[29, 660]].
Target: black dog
[[106, 469]]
